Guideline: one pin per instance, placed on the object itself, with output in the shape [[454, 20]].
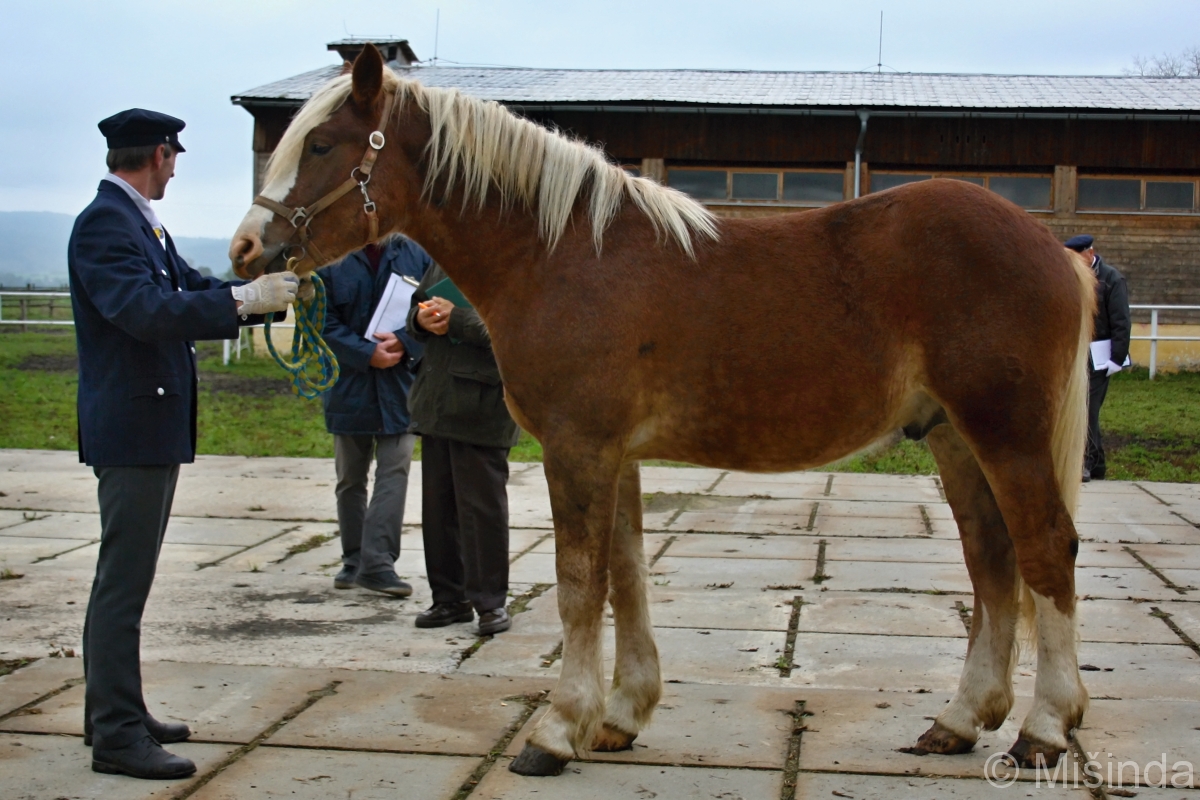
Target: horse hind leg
[[984, 695], [637, 681]]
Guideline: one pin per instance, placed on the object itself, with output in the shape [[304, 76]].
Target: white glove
[[1113, 368], [267, 293]]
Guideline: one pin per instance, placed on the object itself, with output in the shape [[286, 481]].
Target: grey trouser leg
[[465, 522], [135, 504], [1093, 459], [371, 532]]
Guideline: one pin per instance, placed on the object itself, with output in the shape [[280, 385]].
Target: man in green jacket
[[457, 408]]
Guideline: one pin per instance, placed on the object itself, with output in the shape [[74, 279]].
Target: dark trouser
[[135, 503], [464, 520], [1093, 460], [371, 533]]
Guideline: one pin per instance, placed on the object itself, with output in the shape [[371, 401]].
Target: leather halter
[[360, 176]]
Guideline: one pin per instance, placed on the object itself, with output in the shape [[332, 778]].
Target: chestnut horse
[[630, 324]]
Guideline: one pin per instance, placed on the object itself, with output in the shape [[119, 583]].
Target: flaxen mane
[[478, 145]]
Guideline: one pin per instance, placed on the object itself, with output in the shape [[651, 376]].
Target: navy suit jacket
[[367, 400], [138, 308]]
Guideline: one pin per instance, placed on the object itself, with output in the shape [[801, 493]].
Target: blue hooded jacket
[[367, 400]]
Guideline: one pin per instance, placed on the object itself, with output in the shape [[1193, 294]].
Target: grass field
[[1151, 428]]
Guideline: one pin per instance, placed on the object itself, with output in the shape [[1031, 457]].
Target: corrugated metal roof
[[783, 89]]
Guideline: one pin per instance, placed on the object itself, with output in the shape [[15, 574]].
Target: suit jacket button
[[163, 271], [193, 351], [161, 391]]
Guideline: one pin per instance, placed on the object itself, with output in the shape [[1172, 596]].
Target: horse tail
[[1069, 435]]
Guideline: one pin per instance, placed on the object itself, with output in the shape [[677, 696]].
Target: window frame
[[779, 172], [1143, 180], [986, 176]]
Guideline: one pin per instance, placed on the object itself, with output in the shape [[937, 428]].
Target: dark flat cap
[[1079, 243], [138, 127]]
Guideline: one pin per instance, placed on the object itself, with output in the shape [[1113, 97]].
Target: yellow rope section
[[313, 366]]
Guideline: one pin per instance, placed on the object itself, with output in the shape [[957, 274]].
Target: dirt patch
[[244, 386], [1179, 451], [58, 362], [264, 627]]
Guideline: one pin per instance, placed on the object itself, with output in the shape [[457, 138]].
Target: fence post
[[24, 314], [1153, 342]]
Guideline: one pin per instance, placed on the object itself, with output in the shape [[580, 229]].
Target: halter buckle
[[298, 216], [376, 140]]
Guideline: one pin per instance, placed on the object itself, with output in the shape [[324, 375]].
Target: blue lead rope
[[313, 366]]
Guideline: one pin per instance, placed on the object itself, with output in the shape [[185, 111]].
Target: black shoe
[[345, 578], [495, 621], [145, 758], [1098, 474], [1087, 476], [162, 732], [386, 582], [442, 614]]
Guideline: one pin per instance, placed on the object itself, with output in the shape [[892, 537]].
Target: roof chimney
[[391, 49]]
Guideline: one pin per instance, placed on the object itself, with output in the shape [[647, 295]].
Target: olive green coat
[[457, 393]]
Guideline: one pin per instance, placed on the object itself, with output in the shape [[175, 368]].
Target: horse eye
[[321, 149]]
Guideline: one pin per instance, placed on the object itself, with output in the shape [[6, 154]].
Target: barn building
[[1114, 156]]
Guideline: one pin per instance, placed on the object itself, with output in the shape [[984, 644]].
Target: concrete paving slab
[[53, 525], [881, 509], [1121, 621], [533, 568], [873, 527], [685, 481], [446, 714], [220, 703], [10, 518], [850, 661], [1186, 579], [1121, 582], [37, 767], [172, 558], [855, 576], [1184, 615], [741, 573], [726, 609], [281, 545], [225, 532], [651, 542], [1149, 513], [716, 545], [1178, 532], [1141, 734], [1099, 554], [273, 772], [907, 491], [812, 487], [35, 680], [18, 551], [1133, 672], [698, 725], [720, 656], [596, 781], [857, 732], [749, 522], [519, 654], [880, 787], [922, 549], [882, 613]]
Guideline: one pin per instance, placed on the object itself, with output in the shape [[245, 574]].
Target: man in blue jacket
[[138, 308], [367, 410]]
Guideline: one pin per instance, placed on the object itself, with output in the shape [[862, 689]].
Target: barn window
[[1110, 193], [814, 187], [1171, 195], [890, 180], [761, 186], [1137, 194], [1024, 191], [756, 186], [702, 184]]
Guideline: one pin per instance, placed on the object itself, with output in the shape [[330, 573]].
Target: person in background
[[1112, 324], [457, 405], [367, 411], [138, 308]]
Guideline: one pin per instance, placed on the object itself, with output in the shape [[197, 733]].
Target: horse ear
[[368, 79], [346, 67]]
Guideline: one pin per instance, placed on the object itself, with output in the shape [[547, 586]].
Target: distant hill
[[33, 249]]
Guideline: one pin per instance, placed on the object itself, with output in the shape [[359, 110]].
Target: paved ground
[[810, 624]]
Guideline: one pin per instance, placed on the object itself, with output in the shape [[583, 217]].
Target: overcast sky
[[69, 64]]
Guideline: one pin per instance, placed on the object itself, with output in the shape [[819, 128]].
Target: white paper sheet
[[1101, 353], [392, 312]]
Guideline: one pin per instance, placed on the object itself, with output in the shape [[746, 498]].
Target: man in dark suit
[[138, 308], [367, 410], [1111, 328]]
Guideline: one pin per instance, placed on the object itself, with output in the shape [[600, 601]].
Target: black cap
[[1079, 243], [138, 127]]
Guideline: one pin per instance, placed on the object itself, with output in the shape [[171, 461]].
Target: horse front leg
[[583, 498], [637, 681]]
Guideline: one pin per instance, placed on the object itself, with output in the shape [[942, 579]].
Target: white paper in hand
[[392, 312], [1101, 353]]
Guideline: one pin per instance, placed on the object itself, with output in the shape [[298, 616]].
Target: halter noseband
[[360, 176]]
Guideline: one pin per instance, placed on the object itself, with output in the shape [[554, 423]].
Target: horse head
[[319, 202]]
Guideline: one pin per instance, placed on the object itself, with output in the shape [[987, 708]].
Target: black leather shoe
[[345, 578], [386, 582], [1098, 474], [495, 621], [162, 732], [144, 758], [443, 614]]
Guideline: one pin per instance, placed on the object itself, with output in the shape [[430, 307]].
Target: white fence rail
[[24, 306], [1154, 338]]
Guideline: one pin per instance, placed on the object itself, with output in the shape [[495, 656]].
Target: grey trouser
[[371, 532], [1093, 459], [135, 503], [464, 522]]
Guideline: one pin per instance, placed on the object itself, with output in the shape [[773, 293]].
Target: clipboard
[[392, 312], [446, 288]]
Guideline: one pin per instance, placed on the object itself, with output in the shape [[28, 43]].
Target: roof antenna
[[437, 26], [879, 63]]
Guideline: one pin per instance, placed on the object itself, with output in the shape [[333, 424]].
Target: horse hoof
[[942, 741], [1030, 753], [611, 740], [537, 762]]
